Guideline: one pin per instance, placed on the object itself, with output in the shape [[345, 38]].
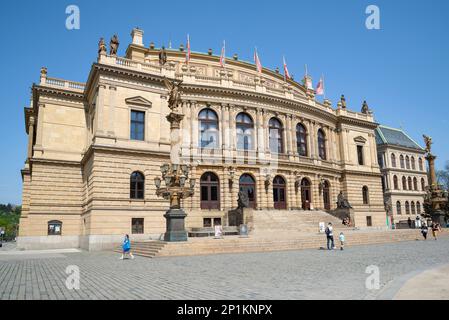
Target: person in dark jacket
[[330, 236]]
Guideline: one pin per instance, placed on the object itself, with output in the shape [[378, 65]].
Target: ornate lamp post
[[174, 176], [436, 199]]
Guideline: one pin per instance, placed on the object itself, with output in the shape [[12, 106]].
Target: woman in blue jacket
[[126, 248]]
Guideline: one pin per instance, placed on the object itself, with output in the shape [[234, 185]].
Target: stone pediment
[[139, 101], [360, 139]]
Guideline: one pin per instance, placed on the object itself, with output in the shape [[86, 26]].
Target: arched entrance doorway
[[327, 195], [279, 192], [248, 186], [210, 191], [306, 195]]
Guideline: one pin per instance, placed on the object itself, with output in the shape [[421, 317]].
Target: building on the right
[[404, 175]]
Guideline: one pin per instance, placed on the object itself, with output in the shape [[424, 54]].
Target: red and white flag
[[222, 56], [257, 61], [320, 87], [188, 50], [286, 73]]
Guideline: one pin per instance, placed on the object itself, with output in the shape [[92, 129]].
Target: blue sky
[[401, 70]]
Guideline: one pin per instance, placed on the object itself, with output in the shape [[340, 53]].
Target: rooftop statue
[[162, 56], [114, 45], [174, 88], [102, 46], [365, 108], [343, 101], [428, 142]]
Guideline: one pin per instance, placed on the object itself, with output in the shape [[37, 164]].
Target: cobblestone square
[[306, 274]]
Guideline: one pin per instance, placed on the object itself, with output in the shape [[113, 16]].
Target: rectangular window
[[360, 155], [137, 125], [369, 222], [54, 228], [137, 225], [207, 222]]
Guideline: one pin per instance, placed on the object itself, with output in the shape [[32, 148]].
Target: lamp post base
[[175, 231]]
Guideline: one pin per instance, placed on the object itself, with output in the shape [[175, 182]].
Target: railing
[[64, 84]]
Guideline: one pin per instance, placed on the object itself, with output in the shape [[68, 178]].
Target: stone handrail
[[54, 82]]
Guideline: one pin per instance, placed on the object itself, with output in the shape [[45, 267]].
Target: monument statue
[[114, 45], [102, 46], [243, 200], [342, 202], [174, 88], [162, 56], [428, 142]]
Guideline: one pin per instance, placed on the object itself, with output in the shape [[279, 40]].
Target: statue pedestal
[[438, 217], [175, 231], [342, 213]]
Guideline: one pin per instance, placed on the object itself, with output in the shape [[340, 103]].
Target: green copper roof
[[396, 137]]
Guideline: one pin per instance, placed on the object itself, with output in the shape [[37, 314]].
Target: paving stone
[[305, 274]]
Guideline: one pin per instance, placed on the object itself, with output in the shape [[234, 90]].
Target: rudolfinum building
[[95, 148]]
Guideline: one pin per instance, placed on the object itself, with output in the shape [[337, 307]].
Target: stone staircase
[[236, 244], [292, 221], [276, 230]]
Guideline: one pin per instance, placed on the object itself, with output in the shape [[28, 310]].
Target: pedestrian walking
[[435, 229], [126, 248], [342, 241], [424, 231], [330, 236]]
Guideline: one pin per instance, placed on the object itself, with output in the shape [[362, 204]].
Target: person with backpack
[[126, 248], [435, 229], [424, 230], [330, 236]]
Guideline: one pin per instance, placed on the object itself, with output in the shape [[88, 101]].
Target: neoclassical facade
[[404, 173], [95, 148]]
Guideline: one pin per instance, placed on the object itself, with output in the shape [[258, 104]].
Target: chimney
[[137, 36]]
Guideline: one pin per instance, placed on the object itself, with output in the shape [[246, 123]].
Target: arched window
[[279, 192], [407, 162], [407, 207], [413, 208], [412, 159], [365, 194], [404, 183], [54, 228], [423, 184], [306, 193], [410, 185], [210, 191], [321, 144], [137, 186], [398, 207], [415, 184], [208, 127], [393, 160], [245, 132], [301, 139], [247, 185], [327, 195], [276, 136], [420, 164], [418, 207], [401, 160], [395, 183]]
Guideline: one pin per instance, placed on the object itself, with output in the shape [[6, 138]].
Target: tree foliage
[[9, 219]]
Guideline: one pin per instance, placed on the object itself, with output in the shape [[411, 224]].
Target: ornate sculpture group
[[113, 46], [428, 142]]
